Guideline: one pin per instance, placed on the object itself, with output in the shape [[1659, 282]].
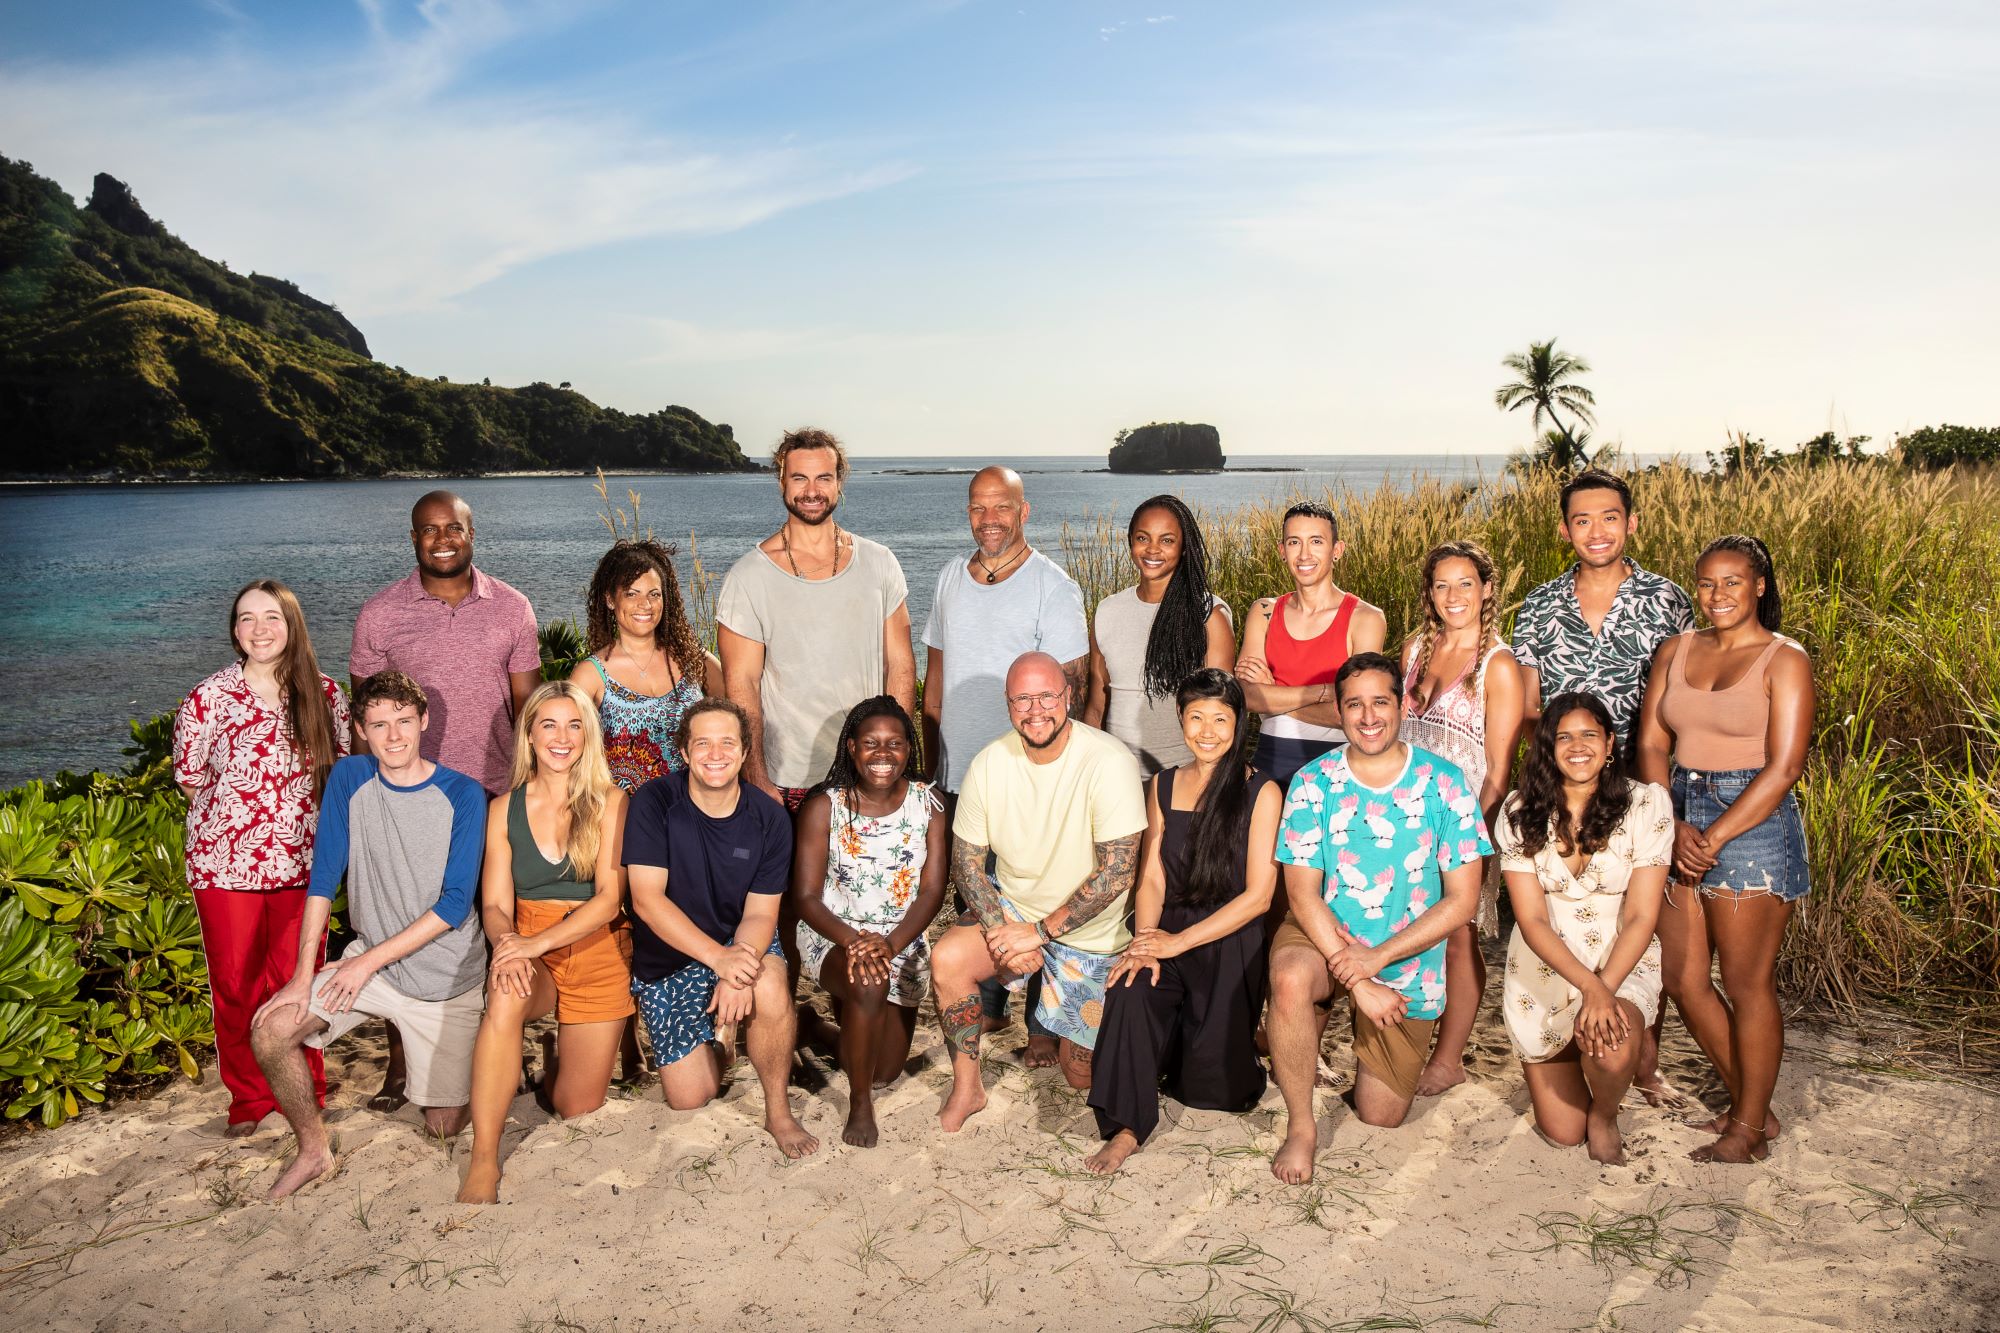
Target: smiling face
[[1209, 728], [880, 752], [1458, 594], [258, 625], [1582, 747], [638, 608], [1726, 587], [1156, 544], [555, 735], [393, 730], [997, 510], [1310, 550], [441, 530], [1038, 701], [1597, 527], [713, 749], [810, 484], [1371, 711]]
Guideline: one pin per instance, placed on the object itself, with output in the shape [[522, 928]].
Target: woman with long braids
[[551, 891], [1727, 719], [252, 746], [1295, 643], [1183, 1000], [1584, 850], [645, 666], [1147, 639], [1462, 698], [868, 876]]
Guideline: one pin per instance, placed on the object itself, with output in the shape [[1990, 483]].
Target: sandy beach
[[1866, 1216]]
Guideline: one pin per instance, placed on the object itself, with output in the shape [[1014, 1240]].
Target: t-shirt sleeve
[[737, 606], [1651, 820], [468, 841], [526, 653], [1065, 636], [193, 736], [934, 624], [329, 850], [336, 702], [895, 590], [1117, 796], [1461, 836], [1302, 832], [364, 656], [774, 871], [646, 827], [1508, 839], [969, 822]]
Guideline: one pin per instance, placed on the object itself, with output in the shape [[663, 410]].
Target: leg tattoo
[[960, 1021]]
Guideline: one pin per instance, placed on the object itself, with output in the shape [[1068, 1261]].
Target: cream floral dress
[[874, 864], [1540, 1007]]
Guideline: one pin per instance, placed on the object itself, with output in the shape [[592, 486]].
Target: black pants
[[1193, 1031]]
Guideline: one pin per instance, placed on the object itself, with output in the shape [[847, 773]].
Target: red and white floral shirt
[[251, 813]]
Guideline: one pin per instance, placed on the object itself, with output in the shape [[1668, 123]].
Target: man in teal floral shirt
[[1381, 846]]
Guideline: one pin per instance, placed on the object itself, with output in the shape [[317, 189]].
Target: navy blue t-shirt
[[712, 864]]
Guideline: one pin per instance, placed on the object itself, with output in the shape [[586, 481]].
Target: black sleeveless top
[[1174, 843], [536, 878]]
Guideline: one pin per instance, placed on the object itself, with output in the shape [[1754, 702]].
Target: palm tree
[[1548, 380]]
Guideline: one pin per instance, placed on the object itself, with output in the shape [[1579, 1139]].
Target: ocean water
[[114, 599]]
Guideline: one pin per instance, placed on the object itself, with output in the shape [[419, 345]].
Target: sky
[[1016, 227]]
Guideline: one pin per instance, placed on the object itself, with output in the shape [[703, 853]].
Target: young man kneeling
[[708, 858], [1381, 846]]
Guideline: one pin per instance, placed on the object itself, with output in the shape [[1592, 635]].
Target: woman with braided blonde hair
[[1462, 698]]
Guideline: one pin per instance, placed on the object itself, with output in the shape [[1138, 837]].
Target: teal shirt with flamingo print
[[1383, 852]]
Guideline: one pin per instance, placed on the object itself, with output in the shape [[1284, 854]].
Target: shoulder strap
[[602, 674]]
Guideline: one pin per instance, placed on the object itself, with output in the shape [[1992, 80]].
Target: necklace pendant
[[989, 576]]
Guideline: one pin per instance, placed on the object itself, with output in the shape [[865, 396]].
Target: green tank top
[[536, 878]]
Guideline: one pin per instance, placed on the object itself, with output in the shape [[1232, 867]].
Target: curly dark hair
[[1538, 809], [1211, 862], [1177, 647], [1770, 606], [623, 565], [842, 773]]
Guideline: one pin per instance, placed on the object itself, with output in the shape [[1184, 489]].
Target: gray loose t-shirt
[[981, 628], [822, 648]]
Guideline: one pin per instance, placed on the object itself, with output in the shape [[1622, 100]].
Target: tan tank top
[[1718, 731]]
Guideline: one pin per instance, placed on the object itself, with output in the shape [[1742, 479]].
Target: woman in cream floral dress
[[1585, 851]]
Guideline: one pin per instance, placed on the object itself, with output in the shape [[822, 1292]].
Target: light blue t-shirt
[[1384, 852]]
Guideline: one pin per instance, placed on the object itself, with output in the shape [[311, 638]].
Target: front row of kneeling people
[[1177, 931]]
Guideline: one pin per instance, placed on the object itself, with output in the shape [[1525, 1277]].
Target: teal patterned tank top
[[639, 729]]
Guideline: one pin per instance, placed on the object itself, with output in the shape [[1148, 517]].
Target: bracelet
[[1042, 932]]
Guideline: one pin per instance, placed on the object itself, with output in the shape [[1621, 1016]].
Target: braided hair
[[1433, 626], [842, 775], [623, 565], [1177, 647], [1770, 606], [1538, 810]]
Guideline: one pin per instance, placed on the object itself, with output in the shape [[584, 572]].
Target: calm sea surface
[[113, 599]]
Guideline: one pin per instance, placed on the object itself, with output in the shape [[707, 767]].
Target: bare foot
[[1603, 1141], [1658, 1092], [391, 1098], [1436, 1078], [964, 1103], [1720, 1125], [989, 1024], [305, 1169], [241, 1129], [1040, 1052], [1738, 1147], [793, 1140], [1294, 1163], [1113, 1154], [482, 1183], [860, 1131]]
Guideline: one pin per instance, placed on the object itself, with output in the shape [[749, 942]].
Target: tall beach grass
[[1892, 582]]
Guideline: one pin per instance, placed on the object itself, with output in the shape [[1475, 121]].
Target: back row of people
[[256, 744]]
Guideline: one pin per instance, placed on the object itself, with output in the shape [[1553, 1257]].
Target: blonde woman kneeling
[[551, 894], [1584, 850]]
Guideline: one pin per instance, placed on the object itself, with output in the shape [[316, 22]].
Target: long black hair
[[1770, 606], [1539, 811], [842, 774], [1211, 864], [1178, 644]]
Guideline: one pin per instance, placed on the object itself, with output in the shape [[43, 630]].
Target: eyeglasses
[[1028, 703]]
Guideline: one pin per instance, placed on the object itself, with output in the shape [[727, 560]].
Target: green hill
[[124, 351]]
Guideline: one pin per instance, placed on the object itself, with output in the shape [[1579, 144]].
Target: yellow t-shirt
[[1043, 822]]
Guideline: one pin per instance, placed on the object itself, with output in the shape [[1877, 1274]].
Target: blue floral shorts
[[1770, 858], [675, 1008]]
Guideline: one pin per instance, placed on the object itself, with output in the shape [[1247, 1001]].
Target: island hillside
[[125, 352], [1170, 446]]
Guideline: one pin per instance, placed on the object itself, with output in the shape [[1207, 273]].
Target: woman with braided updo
[[1462, 698]]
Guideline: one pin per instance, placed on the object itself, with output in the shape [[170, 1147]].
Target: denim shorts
[[1770, 858]]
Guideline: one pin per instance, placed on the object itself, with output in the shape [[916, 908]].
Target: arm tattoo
[[968, 876], [1113, 876]]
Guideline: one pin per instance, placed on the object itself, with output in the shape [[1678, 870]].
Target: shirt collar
[[482, 587]]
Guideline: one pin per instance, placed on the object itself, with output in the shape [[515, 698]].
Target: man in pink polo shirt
[[470, 643]]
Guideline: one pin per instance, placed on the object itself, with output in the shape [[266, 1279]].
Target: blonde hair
[[589, 775], [1433, 627]]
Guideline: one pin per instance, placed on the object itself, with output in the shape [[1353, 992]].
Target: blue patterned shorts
[[675, 1008], [1770, 858]]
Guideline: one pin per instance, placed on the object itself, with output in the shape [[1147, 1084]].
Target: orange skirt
[[594, 975]]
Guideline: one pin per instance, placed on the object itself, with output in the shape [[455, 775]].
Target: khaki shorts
[[438, 1035], [1395, 1055]]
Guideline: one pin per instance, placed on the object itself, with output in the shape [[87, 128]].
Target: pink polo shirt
[[460, 656]]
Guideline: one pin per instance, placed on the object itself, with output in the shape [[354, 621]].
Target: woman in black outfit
[[1181, 1004]]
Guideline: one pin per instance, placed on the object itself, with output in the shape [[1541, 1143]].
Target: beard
[[1054, 736], [813, 520]]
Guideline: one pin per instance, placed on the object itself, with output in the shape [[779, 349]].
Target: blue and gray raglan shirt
[[406, 851]]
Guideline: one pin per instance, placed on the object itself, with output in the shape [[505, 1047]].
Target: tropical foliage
[[1941, 446], [1545, 379]]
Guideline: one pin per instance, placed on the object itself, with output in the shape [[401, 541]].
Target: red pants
[[252, 943]]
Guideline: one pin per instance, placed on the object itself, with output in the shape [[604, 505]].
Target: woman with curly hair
[[868, 875], [1584, 850], [1462, 698], [1147, 639], [645, 666]]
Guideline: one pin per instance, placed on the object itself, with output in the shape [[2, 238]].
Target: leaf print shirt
[[1552, 638], [1384, 852]]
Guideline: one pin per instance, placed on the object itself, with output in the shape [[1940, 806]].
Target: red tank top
[[1309, 661]]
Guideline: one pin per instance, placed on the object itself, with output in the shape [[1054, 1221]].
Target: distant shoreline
[[249, 478]]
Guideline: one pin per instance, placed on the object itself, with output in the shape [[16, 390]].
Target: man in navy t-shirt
[[708, 858]]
